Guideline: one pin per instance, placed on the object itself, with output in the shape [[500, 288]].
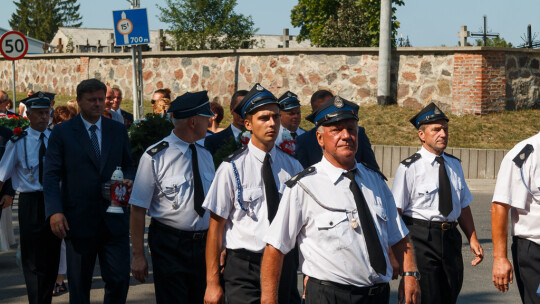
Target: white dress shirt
[[166, 178], [117, 116], [331, 247], [22, 165], [244, 230], [512, 190], [87, 126], [416, 188]]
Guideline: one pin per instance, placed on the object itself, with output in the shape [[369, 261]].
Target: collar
[[260, 154], [177, 142], [119, 111], [235, 132], [87, 125], [35, 134], [333, 172], [430, 157]]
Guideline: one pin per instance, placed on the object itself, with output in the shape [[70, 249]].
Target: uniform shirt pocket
[[335, 230], [176, 188], [425, 194], [382, 219], [251, 199]]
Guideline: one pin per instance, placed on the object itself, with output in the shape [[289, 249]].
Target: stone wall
[[471, 80]]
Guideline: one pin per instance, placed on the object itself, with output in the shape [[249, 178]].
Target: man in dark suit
[[82, 155], [308, 151], [7, 193], [213, 142], [117, 101]]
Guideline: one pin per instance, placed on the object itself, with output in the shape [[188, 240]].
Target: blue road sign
[[131, 27]]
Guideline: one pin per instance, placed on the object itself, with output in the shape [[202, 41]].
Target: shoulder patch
[[374, 170], [411, 159], [158, 148], [290, 183], [15, 138], [452, 156], [523, 155], [234, 154]]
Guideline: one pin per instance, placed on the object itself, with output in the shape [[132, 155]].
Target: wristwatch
[[414, 274]]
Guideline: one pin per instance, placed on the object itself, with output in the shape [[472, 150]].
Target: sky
[[426, 22]]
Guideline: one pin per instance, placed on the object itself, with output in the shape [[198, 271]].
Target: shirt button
[[331, 223]]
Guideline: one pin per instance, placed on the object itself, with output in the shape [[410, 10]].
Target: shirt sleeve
[[220, 198], [144, 184], [396, 227], [7, 163], [400, 190], [510, 188], [287, 223]]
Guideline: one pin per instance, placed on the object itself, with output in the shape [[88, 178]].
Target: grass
[[390, 125]]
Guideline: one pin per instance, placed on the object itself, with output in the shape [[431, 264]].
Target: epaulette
[[234, 154], [411, 159], [374, 170], [523, 155], [158, 148], [452, 156], [14, 138], [290, 183]]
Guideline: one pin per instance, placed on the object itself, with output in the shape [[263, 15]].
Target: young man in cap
[[243, 201], [343, 217], [517, 191], [431, 194], [174, 176], [23, 162], [290, 115]]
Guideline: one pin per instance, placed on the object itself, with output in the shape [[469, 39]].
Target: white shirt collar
[[119, 111], [180, 144], [87, 125], [333, 172], [260, 154], [430, 157], [36, 134], [235, 132]]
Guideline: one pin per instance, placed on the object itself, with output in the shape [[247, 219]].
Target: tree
[[315, 17], [495, 42], [41, 19], [207, 24]]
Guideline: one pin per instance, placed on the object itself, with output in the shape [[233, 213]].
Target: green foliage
[[147, 132], [495, 42], [229, 146], [40, 19], [207, 25], [341, 23], [13, 121]]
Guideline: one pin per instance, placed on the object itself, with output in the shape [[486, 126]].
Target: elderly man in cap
[[290, 115], [431, 194], [518, 192], [82, 155], [23, 162], [174, 176], [343, 217], [243, 201]]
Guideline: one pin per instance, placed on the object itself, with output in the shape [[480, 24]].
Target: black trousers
[[40, 249], [439, 261], [178, 261], [242, 277], [320, 292], [114, 262], [526, 256]]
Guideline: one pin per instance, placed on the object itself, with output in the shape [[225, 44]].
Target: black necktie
[[94, 139], [373, 245], [41, 155], [270, 188], [293, 134], [445, 192], [198, 192]]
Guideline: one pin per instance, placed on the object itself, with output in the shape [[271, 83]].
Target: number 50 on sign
[[13, 45]]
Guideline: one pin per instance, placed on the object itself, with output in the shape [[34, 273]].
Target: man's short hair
[[218, 110], [90, 86], [6, 96], [117, 89], [239, 93], [320, 94]]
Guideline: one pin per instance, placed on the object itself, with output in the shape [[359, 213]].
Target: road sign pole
[[135, 91], [14, 86]]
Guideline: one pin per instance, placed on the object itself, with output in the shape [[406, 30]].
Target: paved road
[[477, 287]]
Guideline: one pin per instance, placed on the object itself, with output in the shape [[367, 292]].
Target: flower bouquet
[[13, 122], [288, 144]]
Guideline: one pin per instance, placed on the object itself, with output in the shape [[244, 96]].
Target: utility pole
[[385, 58], [136, 56]]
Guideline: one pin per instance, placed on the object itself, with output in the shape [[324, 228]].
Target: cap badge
[[40, 95], [437, 111], [259, 87], [338, 102], [289, 94]]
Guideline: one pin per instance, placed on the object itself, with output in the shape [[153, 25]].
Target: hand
[[139, 268], [213, 294], [409, 290], [306, 278], [502, 274], [59, 225], [477, 250], [6, 201], [129, 184], [222, 259]]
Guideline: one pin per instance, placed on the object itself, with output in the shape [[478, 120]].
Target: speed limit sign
[[13, 45]]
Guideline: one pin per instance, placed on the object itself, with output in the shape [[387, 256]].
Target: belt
[[370, 290], [430, 224], [33, 193], [195, 235], [246, 255]]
